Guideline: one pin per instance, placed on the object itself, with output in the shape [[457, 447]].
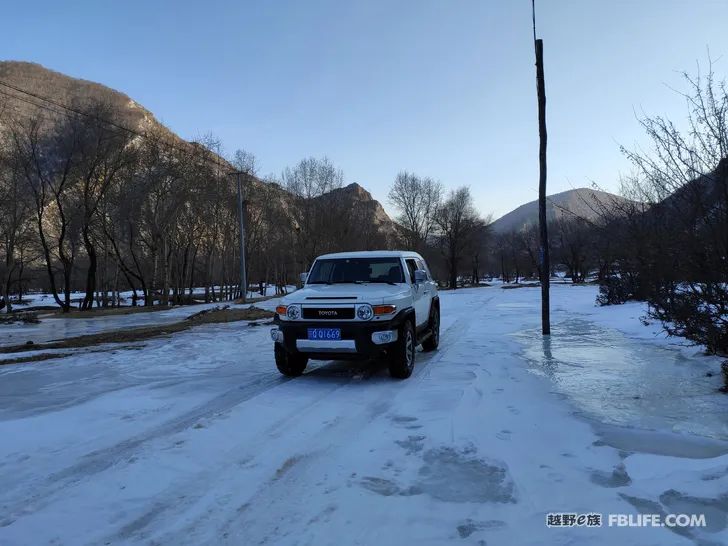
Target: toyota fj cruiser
[[359, 305]]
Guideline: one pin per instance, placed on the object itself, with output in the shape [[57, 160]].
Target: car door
[[419, 298], [428, 289]]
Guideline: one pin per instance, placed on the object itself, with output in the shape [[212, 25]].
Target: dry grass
[[225, 314], [258, 299], [460, 287], [34, 358], [27, 317], [129, 310], [131, 335], [107, 311]]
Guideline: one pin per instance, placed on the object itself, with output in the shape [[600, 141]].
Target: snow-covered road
[[196, 439]]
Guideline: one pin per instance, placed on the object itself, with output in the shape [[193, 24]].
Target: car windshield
[[356, 270]]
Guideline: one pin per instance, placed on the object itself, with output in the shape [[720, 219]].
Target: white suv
[[359, 305]]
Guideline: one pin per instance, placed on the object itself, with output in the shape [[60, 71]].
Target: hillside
[[702, 192], [62, 89], [79, 94], [582, 202], [363, 204]]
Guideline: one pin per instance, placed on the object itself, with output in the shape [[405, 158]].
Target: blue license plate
[[324, 333]]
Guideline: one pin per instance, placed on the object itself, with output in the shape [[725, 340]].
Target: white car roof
[[374, 254]]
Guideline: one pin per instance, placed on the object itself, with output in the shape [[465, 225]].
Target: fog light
[[276, 335], [387, 336]]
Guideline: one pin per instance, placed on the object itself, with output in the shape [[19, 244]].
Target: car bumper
[[359, 339]]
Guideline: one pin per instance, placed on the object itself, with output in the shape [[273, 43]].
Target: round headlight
[[364, 312], [293, 312]]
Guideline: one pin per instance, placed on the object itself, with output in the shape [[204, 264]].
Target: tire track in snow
[[269, 492], [196, 488], [100, 460], [52, 488]]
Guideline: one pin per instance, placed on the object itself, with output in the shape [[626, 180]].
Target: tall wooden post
[[545, 269], [241, 233]]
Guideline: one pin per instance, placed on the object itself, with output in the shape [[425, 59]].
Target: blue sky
[[441, 88]]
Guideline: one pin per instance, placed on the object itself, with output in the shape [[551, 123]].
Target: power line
[[78, 112], [71, 110], [146, 136], [15, 97]]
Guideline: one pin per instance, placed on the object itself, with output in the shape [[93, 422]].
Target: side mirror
[[304, 276], [420, 276]]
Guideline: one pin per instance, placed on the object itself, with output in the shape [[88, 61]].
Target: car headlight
[[365, 312], [293, 312]]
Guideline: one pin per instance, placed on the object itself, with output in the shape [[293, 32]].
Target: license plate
[[324, 333]]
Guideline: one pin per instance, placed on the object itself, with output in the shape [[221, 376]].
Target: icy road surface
[[196, 439]]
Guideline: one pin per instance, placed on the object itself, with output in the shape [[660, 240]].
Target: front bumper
[[359, 339]]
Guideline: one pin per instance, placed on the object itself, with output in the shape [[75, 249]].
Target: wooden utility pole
[[545, 265], [241, 227]]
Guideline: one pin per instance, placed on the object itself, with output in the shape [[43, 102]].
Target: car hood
[[374, 293]]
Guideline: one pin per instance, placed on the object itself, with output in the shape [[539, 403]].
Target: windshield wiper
[[319, 282]]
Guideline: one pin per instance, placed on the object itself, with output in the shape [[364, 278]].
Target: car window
[[412, 266], [347, 270], [421, 265]]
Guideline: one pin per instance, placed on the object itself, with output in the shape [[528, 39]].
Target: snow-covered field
[[60, 327], [41, 299], [196, 439]]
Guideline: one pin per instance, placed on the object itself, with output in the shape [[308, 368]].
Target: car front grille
[[328, 313]]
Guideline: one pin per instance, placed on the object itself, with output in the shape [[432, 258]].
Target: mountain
[[363, 205], [703, 192], [60, 89], [584, 203], [51, 90]]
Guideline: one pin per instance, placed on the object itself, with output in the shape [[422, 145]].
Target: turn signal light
[[384, 309], [281, 310]]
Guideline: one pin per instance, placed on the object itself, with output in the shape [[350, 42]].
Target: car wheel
[[290, 365], [431, 343], [402, 357]]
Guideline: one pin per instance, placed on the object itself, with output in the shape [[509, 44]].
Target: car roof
[[373, 254]]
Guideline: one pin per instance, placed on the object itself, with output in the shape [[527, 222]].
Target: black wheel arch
[[435, 303], [407, 313]]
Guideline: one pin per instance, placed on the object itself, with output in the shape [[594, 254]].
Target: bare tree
[[104, 154], [317, 220], [674, 253], [15, 223], [457, 225], [574, 243], [47, 158], [417, 200], [157, 215]]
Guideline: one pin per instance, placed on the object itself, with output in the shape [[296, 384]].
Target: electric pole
[[545, 269], [241, 221]]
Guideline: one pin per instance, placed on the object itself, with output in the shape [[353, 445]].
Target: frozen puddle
[[616, 380]]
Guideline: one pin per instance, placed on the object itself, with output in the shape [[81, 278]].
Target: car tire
[[289, 364], [431, 343], [402, 354]]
